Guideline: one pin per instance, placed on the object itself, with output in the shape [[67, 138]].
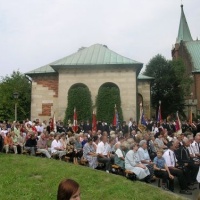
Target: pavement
[[194, 195]]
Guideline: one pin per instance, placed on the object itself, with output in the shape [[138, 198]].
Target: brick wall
[[180, 51], [46, 109], [49, 81], [197, 89]]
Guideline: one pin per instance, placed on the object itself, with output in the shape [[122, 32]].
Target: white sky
[[34, 33]]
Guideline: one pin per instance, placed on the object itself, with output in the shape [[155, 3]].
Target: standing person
[[68, 189], [171, 162], [124, 128], [162, 171], [103, 154]]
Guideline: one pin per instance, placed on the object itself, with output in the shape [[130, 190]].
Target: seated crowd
[[148, 154]]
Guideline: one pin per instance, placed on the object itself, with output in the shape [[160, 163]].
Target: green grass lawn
[[30, 178]]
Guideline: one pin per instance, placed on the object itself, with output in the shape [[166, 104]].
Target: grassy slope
[[30, 178]]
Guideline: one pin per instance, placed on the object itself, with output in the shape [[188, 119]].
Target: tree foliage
[[17, 82], [171, 84], [79, 97], [108, 96]]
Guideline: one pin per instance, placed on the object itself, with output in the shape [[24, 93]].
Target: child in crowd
[[161, 171]]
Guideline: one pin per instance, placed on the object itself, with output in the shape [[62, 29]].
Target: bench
[[116, 168], [83, 162], [39, 154], [67, 159], [130, 175], [25, 152]]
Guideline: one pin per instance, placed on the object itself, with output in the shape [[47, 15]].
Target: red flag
[[115, 119], [178, 124], [94, 122], [75, 124]]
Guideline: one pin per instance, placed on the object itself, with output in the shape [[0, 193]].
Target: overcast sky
[[34, 33]]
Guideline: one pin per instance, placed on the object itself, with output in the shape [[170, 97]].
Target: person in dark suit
[[186, 162], [87, 127], [104, 127], [124, 128]]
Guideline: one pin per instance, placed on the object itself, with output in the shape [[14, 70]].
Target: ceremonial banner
[[190, 116], [178, 124], [116, 118], [53, 123], [75, 123], [142, 119], [94, 122], [159, 116]]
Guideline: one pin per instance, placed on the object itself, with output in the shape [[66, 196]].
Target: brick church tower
[[189, 51]]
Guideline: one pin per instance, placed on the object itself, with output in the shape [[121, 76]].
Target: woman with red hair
[[68, 189]]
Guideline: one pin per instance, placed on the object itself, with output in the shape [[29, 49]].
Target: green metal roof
[[143, 77], [193, 48], [184, 31], [96, 54], [41, 70]]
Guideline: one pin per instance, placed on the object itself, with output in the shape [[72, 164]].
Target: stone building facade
[[93, 67]]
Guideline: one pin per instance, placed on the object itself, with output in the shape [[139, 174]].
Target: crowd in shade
[[147, 150]]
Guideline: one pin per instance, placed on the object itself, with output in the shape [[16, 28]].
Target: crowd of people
[[153, 150]]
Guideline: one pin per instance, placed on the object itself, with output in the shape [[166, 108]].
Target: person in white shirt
[[155, 129], [103, 153], [171, 160], [191, 149], [196, 145], [56, 147]]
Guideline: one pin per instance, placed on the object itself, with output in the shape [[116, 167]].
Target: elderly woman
[[120, 155], [145, 158], [89, 153], [159, 140], [78, 150], [132, 163]]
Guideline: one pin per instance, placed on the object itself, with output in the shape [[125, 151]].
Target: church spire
[[184, 31]]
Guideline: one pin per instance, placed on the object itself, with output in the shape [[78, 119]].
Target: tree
[[170, 85], [79, 97], [108, 97], [17, 82]]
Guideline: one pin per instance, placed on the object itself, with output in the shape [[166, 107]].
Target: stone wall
[[124, 78], [145, 91]]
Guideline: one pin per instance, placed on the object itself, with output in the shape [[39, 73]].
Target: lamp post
[[15, 95]]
